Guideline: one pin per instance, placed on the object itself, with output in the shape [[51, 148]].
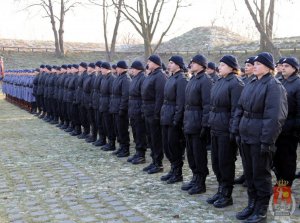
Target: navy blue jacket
[[153, 93], [79, 90], [41, 83], [261, 111], [292, 86], [35, 85], [214, 76], [61, 82], [197, 103], [87, 88], [174, 100], [66, 87], [135, 97], [106, 92], [120, 94], [96, 91], [225, 94], [71, 88], [46, 83]]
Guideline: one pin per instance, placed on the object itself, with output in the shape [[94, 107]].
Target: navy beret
[[137, 65], [266, 59], [106, 65], [42, 66], [83, 64], [155, 59], [75, 66], [92, 65], [70, 66], [250, 60], [48, 67], [280, 61], [200, 59], [177, 60], [122, 64], [114, 66], [64, 66], [211, 65], [231, 61], [98, 63], [292, 61]]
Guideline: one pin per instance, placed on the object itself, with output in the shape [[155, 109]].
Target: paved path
[[48, 176]]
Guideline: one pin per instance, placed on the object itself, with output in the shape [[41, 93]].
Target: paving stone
[[41, 219], [61, 216], [127, 213], [136, 219], [38, 213], [88, 219]]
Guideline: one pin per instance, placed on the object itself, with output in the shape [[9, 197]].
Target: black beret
[[58, 68], [265, 58], [75, 66], [211, 65], [48, 67], [98, 63], [292, 61], [114, 66], [92, 65], [137, 65], [200, 59], [42, 66], [64, 66], [37, 70], [122, 64], [106, 65], [155, 59], [177, 60], [70, 66], [250, 60], [231, 61], [83, 64]]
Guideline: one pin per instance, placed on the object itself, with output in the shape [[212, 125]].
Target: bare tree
[[48, 7], [107, 6], [145, 20], [262, 13]]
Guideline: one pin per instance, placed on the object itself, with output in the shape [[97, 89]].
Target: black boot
[[76, 132], [129, 160], [140, 158], [247, 211], [100, 142], [82, 135], [115, 153], [199, 187], [176, 176], [150, 166], [212, 199], [225, 198], [168, 175], [258, 216], [91, 138], [240, 180], [189, 185], [124, 152], [157, 168], [110, 146]]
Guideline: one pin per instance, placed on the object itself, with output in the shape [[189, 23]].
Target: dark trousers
[[69, 110], [121, 124], [171, 139], [84, 118], [139, 132], [223, 156], [75, 115], [54, 108], [46, 105], [65, 110], [154, 129], [61, 111], [108, 124], [197, 154], [92, 121], [258, 173], [285, 159], [39, 103], [99, 123]]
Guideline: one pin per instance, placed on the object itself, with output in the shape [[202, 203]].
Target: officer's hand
[[204, 132], [265, 149]]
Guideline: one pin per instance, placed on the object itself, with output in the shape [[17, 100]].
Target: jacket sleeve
[[235, 93], [180, 100], [125, 95], [275, 113], [237, 117], [297, 98], [160, 82], [205, 98]]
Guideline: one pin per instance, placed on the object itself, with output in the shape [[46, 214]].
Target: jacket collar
[[229, 76], [200, 74], [266, 78], [292, 78]]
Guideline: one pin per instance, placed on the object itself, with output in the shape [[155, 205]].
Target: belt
[[253, 115], [220, 109], [193, 107]]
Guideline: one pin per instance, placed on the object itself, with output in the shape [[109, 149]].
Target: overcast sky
[[84, 24]]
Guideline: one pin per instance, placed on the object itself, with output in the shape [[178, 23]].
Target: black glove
[[266, 149], [204, 132], [122, 113]]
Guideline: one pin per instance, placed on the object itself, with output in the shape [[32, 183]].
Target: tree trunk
[[56, 42], [147, 49], [61, 28]]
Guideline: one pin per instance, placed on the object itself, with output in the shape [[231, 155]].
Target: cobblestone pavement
[[48, 176]]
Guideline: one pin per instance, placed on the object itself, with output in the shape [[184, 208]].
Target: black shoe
[[156, 169], [256, 218], [59, 125], [70, 129], [75, 133], [199, 186], [123, 153], [247, 211], [54, 122], [139, 160], [189, 185], [245, 184], [240, 180], [214, 198], [99, 142], [168, 175], [176, 177], [129, 160], [65, 126], [82, 136], [150, 166], [109, 146], [116, 152], [90, 139], [225, 199]]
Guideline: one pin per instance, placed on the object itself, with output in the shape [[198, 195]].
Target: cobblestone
[[48, 176]]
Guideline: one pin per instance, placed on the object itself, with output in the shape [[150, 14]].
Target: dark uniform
[[261, 112], [75, 104], [61, 80], [82, 83], [65, 101], [107, 117], [40, 92], [55, 98], [285, 159], [137, 120], [153, 96], [197, 100], [72, 79], [34, 92], [171, 120], [118, 107], [224, 98]]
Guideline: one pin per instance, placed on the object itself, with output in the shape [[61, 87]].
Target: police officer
[[196, 127], [87, 93], [279, 68], [46, 95], [224, 98], [260, 115], [137, 119], [104, 102], [61, 80], [285, 159], [40, 90], [34, 91], [65, 98], [171, 118], [95, 104], [153, 96], [83, 85], [118, 107], [55, 96], [211, 71]]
